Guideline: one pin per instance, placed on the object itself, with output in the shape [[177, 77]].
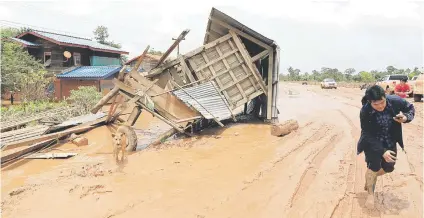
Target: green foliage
[[348, 75], [21, 71], [101, 34], [86, 97], [30, 108]]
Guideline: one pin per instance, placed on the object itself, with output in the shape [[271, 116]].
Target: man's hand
[[389, 157], [400, 118]]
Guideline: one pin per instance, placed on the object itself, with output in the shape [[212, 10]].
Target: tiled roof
[[24, 42], [73, 41], [90, 72]]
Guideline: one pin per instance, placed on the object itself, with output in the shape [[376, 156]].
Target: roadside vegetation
[[349, 75]]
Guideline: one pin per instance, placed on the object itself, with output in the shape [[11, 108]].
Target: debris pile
[[236, 67]]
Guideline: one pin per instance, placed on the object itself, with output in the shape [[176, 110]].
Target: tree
[[154, 52], [390, 69], [366, 76], [101, 34], [20, 71]]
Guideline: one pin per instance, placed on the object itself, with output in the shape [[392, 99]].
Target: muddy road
[[237, 171]]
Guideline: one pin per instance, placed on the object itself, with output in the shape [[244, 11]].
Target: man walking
[[381, 117]]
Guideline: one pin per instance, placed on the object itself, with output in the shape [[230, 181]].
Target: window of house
[[77, 58], [47, 58]]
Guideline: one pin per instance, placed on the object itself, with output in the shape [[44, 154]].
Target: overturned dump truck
[[236, 68]]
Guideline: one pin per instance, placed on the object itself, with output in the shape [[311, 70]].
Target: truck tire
[[131, 137], [417, 98]]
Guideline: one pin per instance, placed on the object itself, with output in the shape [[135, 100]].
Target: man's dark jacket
[[369, 127]]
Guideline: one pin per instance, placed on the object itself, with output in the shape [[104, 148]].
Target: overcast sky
[[363, 34]]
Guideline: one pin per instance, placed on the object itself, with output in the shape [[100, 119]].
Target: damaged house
[[235, 71]]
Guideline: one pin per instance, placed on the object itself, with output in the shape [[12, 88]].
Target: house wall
[[59, 62], [63, 87]]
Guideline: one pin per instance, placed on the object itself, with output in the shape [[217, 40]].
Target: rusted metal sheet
[[207, 101]]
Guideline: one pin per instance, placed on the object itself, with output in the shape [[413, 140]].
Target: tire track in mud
[[322, 130], [310, 173]]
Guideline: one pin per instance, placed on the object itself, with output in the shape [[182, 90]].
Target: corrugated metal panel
[[215, 13], [214, 104], [24, 42], [76, 40], [95, 72]]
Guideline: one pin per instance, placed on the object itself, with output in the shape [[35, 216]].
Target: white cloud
[[5, 13]]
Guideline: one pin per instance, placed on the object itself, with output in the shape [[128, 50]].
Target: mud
[[236, 171]]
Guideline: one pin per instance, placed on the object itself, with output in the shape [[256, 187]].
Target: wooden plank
[[260, 55], [232, 29], [48, 136], [161, 69], [163, 137], [131, 94], [235, 82], [135, 113], [251, 96], [231, 73], [246, 57], [222, 57], [185, 69], [173, 46], [23, 130], [122, 73], [226, 71], [240, 59], [188, 119], [167, 102], [140, 59], [105, 99], [32, 148], [269, 95], [207, 46]]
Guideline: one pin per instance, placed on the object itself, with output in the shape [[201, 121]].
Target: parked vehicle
[[419, 88], [328, 84], [389, 82]]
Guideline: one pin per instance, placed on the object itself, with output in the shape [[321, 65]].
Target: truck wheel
[[130, 136], [417, 98]]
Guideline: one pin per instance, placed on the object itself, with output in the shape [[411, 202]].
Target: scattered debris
[[284, 128], [80, 141], [16, 123], [51, 156]]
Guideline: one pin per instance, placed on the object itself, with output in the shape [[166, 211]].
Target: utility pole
[[178, 46]]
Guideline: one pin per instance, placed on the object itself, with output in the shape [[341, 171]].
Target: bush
[[30, 108], [86, 97]]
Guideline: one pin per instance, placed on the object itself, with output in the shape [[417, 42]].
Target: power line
[[17, 24]]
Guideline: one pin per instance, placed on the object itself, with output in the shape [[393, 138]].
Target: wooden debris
[[21, 134], [55, 136], [9, 125], [284, 128], [32, 148], [51, 156]]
